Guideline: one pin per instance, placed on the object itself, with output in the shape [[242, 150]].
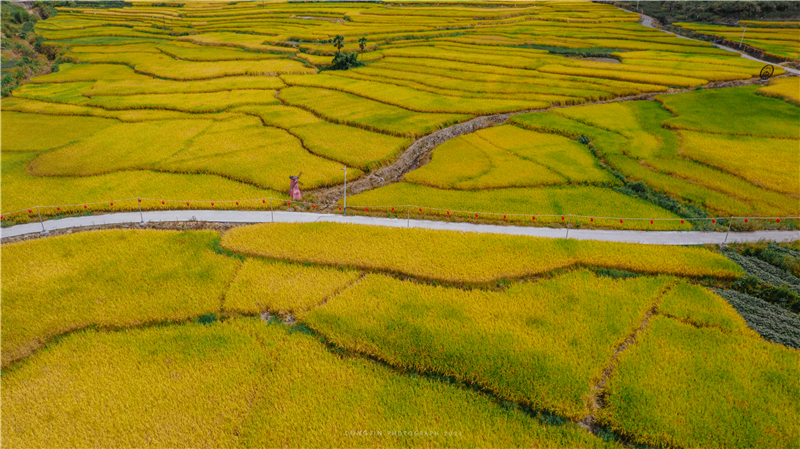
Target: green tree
[[362, 44], [338, 41]]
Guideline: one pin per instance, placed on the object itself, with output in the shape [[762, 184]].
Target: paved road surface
[[650, 237]]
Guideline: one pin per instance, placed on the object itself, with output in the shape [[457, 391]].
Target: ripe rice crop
[[634, 128], [498, 82], [285, 117], [127, 115], [115, 278], [712, 71], [538, 100], [660, 389], [690, 70], [700, 307], [559, 154], [666, 80], [452, 54], [228, 39], [68, 73], [23, 191], [356, 147], [217, 385], [245, 150], [452, 166], [699, 111], [546, 204], [785, 88], [119, 147], [639, 45], [233, 149], [357, 111], [164, 66], [624, 119], [470, 86], [52, 130], [147, 47], [95, 32], [190, 52], [468, 71], [411, 99], [541, 344], [319, 61], [461, 257], [159, 86], [507, 156], [278, 287], [775, 168], [71, 93], [187, 102]]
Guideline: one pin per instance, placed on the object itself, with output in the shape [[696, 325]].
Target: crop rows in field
[[430, 66], [542, 343], [782, 42]]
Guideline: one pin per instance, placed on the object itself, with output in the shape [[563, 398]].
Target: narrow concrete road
[[219, 216], [650, 23]]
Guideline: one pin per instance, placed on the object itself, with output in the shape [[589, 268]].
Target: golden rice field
[[783, 42], [107, 341], [109, 278], [566, 114], [163, 73], [461, 257], [520, 348]]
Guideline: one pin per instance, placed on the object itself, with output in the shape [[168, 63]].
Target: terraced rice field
[[563, 114], [501, 340], [237, 97]]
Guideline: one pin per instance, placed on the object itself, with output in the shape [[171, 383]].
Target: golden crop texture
[[659, 393], [462, 257], [111, 278], [278, 287], [541, 344], [216, 385]]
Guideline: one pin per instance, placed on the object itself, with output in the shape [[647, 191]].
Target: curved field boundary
[[223, 216], [419, 152]]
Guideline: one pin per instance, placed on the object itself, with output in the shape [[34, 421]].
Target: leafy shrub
[[208, 318], [343, 61], [770, 321], [782, 296], [766, 272]]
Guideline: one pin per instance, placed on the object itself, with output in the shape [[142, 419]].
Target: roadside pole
[[729, 230], [570, 218], [271, 211], [139, 202], [345, 190], [40, 219]]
